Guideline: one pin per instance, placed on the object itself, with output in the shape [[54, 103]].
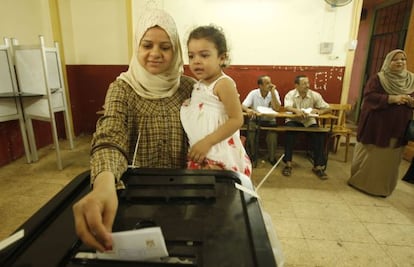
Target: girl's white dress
[[203, 115]]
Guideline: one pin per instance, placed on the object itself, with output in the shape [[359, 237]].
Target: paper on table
[[142, 244], [266, 110], [308, 111]]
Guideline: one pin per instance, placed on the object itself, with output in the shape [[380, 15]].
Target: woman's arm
[[94, 214], [110, 142]]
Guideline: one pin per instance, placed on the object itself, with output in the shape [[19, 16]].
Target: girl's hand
[[199, 150], [186, 102]]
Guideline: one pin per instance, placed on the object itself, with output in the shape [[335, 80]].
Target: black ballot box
[[206, 221]]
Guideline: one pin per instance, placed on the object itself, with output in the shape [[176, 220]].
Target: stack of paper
[[266, 110], [308, 111]]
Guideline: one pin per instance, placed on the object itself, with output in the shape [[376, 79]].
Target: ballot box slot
[[170, 180], [169, 189], [171, 201], [168, 195], [181, 253], [187, 251], [85, 259]]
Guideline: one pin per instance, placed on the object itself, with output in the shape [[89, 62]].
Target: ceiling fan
[[337, 3]]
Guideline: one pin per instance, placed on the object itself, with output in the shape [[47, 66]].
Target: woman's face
[[398, 63], [155, 51]]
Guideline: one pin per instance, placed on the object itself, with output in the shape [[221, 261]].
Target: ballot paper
[[266, 110], [136, 245]]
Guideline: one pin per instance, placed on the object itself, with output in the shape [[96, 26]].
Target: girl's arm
[[228, 95]]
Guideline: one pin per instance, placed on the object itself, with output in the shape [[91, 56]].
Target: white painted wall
[[25, 20], [259, 32], [267, 32], [97, 31]]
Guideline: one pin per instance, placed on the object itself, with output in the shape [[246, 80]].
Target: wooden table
[[325, 120]]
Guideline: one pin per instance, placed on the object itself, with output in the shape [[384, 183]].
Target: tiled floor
[[318, 223]]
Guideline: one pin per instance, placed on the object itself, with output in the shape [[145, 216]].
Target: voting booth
[[42, 90], [205, 220], [10, 106]]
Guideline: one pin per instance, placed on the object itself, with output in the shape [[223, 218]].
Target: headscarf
[[161, 85], [396, 83]]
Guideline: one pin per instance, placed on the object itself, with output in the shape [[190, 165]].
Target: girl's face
[[205, 63], [398, 63], [155, 51]]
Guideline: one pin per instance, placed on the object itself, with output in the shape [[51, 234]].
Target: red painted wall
[[325, 80], [10, 142], [88, 85], [87, 89]]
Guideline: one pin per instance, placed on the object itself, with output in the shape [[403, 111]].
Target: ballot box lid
[[205, 219]]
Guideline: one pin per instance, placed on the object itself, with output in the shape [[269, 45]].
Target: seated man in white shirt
[[264, 96], [304, 102]]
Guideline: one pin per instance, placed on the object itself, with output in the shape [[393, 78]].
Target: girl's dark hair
[[213, 34]]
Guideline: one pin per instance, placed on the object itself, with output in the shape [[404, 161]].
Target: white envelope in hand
[[136, 245]]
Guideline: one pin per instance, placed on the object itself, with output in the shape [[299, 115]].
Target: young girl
[[213, 115]]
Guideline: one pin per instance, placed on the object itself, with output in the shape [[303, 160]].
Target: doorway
[[389, 32]]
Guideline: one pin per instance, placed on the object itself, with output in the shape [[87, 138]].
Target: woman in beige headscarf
[[386, 109], [141, 125]]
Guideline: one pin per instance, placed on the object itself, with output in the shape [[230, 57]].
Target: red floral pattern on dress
[[231, 142], [207, 164], [247, 171], [200, 106]]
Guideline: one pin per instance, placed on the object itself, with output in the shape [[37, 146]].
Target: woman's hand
[[410, 102], [94, 214], [399, 99]]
